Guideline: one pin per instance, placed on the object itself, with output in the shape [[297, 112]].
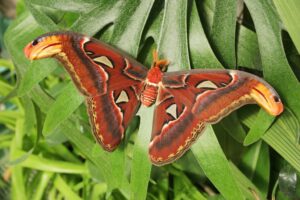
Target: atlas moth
[[115, 85]]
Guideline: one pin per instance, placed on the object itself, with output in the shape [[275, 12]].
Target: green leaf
[[184, 188], [109, 164], [18, 180], [202, 55], [289, 13], [283, 136], [66, 5], [215, 165], [184, 32], [62, 186], [30, 115], [275, 65], [40, 17], [104, 13], [173, 35], [233, 127], [15, 41], [39, 163], [130, 24], [256, 166], [115, 163], [256, 132], [36, 72], [66, 103], [140, 160], [99, 190], [223, 31], [248, 50], [247, 187], [42, 185]]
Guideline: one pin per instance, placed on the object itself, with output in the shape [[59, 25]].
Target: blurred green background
[[46, 147]]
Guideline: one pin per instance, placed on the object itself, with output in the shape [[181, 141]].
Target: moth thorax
[[149, 94]]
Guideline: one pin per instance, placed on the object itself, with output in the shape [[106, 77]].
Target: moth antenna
[[155, 55], [162, 64]]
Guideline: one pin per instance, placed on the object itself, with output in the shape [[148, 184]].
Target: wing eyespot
[[172, 110], [207, 85]]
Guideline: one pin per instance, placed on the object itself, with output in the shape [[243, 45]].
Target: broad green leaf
[[282, 136], [264, 120], [105, 161], [18, 183], [289, 13], [278, 72], [223, 31], [256, 166], [5, 88], [36, 72], [18, 180], [30, 115], [248, 50], [130, 24], [20, 7], [42, 186], [154, 23], [140, 160], [7, 93], [247, 187], [116, 162], [44, 164], [41, 17], [233, 127], [215, 165], [66, 103], [108, 164], [10, 117], [17, 36], [103, 13], [67, 5], [184, 188], [7, 64], [232, 148], [275, 65], [207, 11], [16, 39], [173, 35], [62, 186], [283, 140], [99, 190], [202, 55], [60, 151], [94, 172]]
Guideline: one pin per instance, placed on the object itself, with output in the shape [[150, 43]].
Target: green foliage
[[248, 155]]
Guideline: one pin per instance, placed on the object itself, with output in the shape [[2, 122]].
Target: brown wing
[[189, 100], [108, 78]]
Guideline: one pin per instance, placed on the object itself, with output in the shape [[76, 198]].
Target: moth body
[[151, 85]]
